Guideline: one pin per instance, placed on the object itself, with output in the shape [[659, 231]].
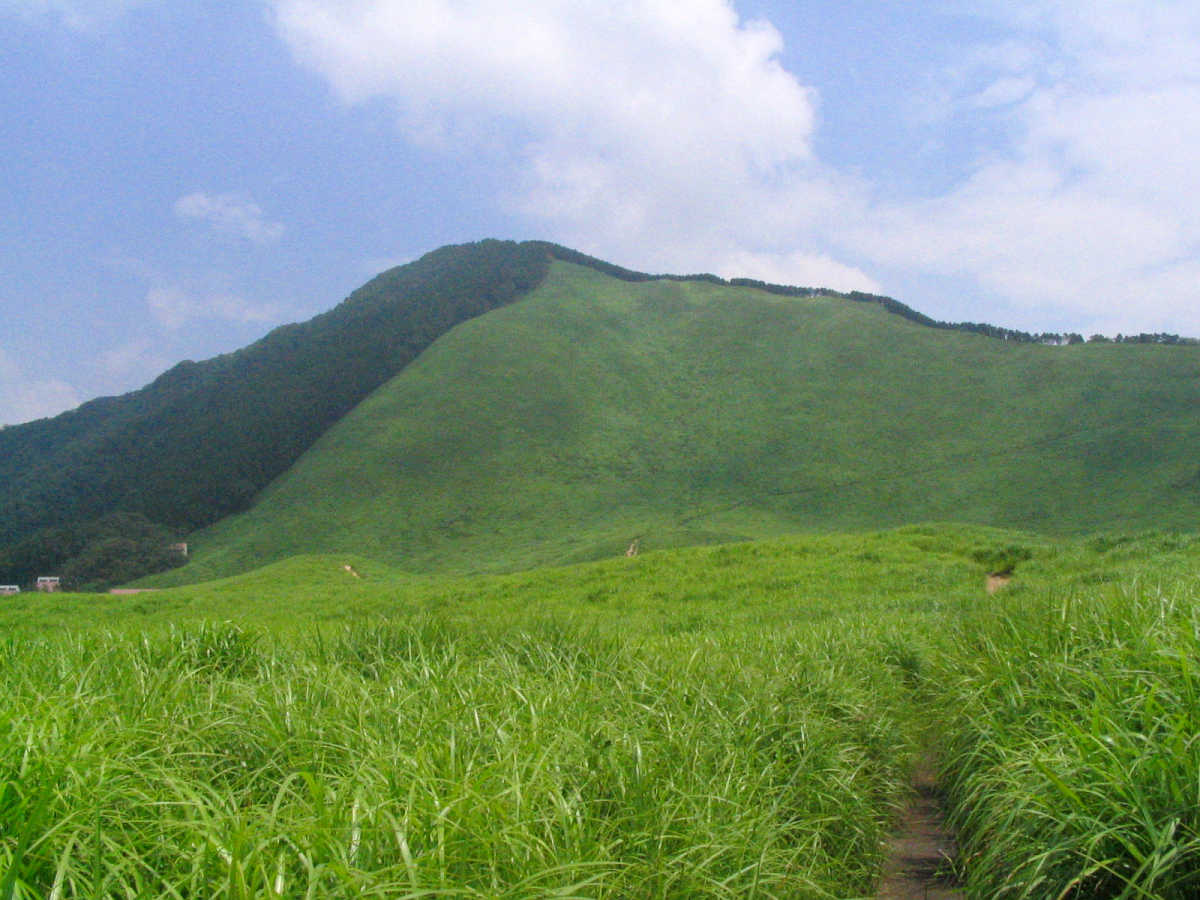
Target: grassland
[[594, 412], [727, 721]]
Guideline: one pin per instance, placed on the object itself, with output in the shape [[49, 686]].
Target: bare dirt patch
[[920, 860], [996, 581]]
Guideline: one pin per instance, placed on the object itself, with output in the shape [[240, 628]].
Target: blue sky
[[180, 177]]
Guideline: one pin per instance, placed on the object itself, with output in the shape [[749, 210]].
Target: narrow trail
[[922, 849]]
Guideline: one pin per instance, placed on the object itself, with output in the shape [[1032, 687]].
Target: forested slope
[[202, 439]]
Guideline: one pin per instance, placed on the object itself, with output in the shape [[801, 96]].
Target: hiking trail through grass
[[921, 854]]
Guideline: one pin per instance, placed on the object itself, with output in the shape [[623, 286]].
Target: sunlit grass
[[1074, 752], [413, 760], [733, 721]]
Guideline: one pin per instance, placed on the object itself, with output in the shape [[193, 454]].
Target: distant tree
[[92, 555]]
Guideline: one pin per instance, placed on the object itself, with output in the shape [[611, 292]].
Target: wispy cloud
[[78, 15], [23, 399], [174, 307], [1090, 207], [377, 264], [135, 359], [230, 214]]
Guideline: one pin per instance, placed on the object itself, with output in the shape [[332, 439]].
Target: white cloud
[[674, 77], [23, 399], [229, 214], [173, 307], [807, 269], [669, 137], [662, 135], [1091, 211]]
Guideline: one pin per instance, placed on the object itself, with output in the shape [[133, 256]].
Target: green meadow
[[736, 720]]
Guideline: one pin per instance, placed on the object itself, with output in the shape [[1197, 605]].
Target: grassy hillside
[[734, 721], [596, 412], [620, 730]]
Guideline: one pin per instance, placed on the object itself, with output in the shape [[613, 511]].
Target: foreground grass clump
[[1073, 751], [423, 759]]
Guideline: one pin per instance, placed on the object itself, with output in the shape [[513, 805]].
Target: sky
[[181, 176]]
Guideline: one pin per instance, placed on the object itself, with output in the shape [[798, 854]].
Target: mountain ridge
[[203, 440], [595, 415]]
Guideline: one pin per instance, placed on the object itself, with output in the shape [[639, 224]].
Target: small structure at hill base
[[7, 589], [181, 548], [48, 584]]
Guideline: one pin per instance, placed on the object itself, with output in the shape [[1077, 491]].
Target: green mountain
[[606, 406], [202, 440], [597, 412]]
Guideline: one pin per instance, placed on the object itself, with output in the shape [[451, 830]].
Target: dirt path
[[996, 581], [918, 866]]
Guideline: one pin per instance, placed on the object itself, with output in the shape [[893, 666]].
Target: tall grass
[[734, 721], [1074, 752], [414, 760]]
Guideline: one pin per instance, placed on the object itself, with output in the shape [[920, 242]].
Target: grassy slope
[[729, 721], [596, 411], [911, 570], [623, 729], [797, 578]]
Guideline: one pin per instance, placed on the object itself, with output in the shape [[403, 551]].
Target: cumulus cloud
[[231, 215], [670, 137], [23, 399], [173, 307], [657, 133]]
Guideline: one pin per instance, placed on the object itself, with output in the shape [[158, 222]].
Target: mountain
[[598, 412], [201, 440], [501, 404]]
